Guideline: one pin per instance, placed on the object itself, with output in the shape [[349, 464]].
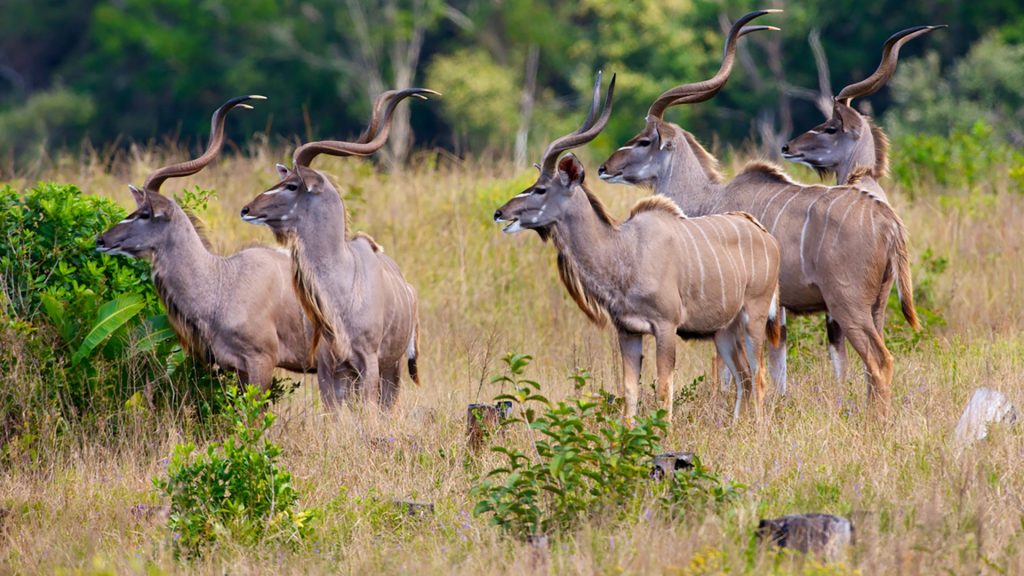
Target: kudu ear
[[138, 195], [849, 118], [282, 171], [570, 170]]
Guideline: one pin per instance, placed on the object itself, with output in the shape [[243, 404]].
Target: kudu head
[[303, 191], [544, 203], [848, 140], [643, 157], [150, 226]]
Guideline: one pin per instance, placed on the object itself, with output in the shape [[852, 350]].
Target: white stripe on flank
[[718, 263], [803, 237], [828, 211], [739, 240], [737, 274], [768, 206], [783, 209], [843, 219], [696, 254]]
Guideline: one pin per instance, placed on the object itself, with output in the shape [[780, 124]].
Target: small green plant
[[235, 491], [581, 462]]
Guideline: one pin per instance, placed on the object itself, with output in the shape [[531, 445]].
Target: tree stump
[[483, 419], [668, 463], [820, 534]]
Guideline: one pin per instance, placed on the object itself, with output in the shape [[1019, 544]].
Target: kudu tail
[[900, 264], [904, 282], [412, 353], [774, 331]]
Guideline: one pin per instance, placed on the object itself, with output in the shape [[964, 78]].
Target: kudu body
[[849, 145], [658, 273], [361, 307], [239, 311], [842, 247]]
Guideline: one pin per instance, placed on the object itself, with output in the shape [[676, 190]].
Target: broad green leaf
[[111, 316]]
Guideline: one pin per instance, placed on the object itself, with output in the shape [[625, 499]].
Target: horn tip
[[773, 11], [773, 28], [257, 97], [244, 106]]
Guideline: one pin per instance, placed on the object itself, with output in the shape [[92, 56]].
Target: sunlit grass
[[918, 508]]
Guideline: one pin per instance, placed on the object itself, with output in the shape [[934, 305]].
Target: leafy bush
[[582, 463], [234, 491]]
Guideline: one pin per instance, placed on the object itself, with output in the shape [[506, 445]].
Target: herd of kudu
[[703, 258]]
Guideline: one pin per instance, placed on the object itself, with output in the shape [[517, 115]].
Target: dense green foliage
[[145, 69], [235, 490], [84, 330], [582, 462]]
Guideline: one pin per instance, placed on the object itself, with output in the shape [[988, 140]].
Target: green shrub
[[235, 491], [582, 462]]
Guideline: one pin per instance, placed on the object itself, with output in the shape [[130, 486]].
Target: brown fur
[[655, 204], [707, 162], [881, 168], [771, 172], [774, 329], [190, 334], [750, 217], [306, 289]]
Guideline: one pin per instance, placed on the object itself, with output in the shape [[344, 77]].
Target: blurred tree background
[[514, 72]]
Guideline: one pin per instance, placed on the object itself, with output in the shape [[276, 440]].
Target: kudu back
[[363, 311], [842, 247], [658, 272], [238, 312]]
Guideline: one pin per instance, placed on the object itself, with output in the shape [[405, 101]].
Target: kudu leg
[[389, 385], [754, 347], [725, 343], [665, 343], [836, 348], [878, 362], [632, 348], [777, 356]]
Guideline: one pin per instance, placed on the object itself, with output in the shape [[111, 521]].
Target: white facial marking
[[128, 220], [630, 147], [513, 228]]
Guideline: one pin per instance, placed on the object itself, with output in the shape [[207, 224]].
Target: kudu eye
[[643, 143], [292, 187], [831, 130], [540, 191], [144, 215]]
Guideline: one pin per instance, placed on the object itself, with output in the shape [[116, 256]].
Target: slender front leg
[[665, 341], [632, 348], [777, 357], [836, 348]]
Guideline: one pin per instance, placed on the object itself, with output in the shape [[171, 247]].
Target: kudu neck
[[685, 180], [323, 232], [861, 161], [584, 235], [184, 269]]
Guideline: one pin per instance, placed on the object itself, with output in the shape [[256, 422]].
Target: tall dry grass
[[918, 506]]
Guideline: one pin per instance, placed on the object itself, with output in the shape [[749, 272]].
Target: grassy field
[[918, 506]]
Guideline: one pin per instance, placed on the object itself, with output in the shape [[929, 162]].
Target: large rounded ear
[[570, 170], [282, 171], [850, 119], [138, 195]]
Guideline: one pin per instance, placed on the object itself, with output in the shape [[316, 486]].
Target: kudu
[[842, 247], [658, 272], [356, 297], [238, 312], [849, 145]]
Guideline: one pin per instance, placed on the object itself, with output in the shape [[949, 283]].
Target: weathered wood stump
[[985, 407], [824, 535], [482, 420], [668, 463]]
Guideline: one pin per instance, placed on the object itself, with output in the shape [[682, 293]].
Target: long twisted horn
[[589, 130], [307, 152], [700, 91], [157, 178], [378, 109], [886, 68]]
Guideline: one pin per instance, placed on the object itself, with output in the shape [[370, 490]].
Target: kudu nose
[[497, 215], [245, 211], [99, 242], [601, 170], [785, 148]]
